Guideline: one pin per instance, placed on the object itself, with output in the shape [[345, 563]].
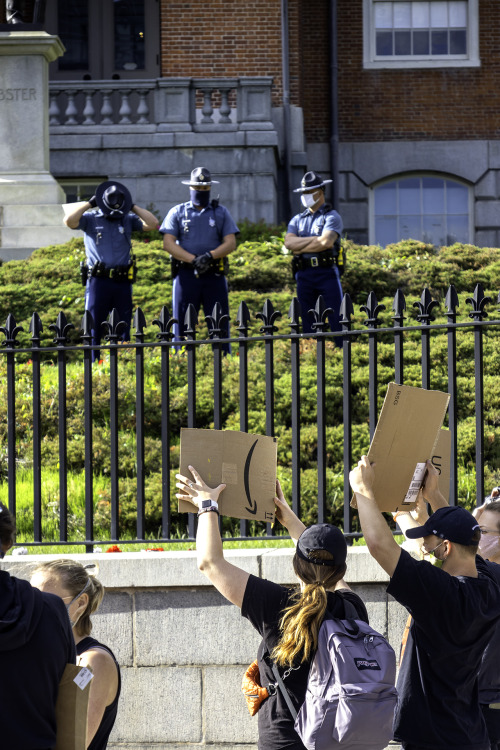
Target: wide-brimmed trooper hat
[[310, 181], [112, 197], [200, 176]]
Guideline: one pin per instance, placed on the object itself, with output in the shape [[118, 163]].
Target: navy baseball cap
[[452, 523], [322, 536]]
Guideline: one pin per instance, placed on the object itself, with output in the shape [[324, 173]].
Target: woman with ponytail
[[82, 593], [288, 620]]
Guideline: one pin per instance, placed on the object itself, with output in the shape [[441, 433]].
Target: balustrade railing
[[165, 104]]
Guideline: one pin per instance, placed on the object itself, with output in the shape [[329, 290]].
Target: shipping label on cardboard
[[415, 484], [406, 434], [245, 463]]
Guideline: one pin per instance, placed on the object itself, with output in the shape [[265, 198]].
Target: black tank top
[[100, 741]]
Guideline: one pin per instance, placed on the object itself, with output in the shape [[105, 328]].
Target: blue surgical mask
[[200, 197]]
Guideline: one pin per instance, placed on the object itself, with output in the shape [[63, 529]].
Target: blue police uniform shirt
[[196, 231], [106, 240], [307, 224]]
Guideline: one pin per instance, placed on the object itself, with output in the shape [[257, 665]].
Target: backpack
[[350, 698]]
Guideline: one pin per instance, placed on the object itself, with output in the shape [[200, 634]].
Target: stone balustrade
[[161, 105]]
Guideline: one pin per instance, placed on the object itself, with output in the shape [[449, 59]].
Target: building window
[[105, 39], [80, 189], [435, 210], [420, 33]]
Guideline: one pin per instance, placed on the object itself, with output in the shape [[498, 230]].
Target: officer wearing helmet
[[199, 234], [311, 237], [108, 220]]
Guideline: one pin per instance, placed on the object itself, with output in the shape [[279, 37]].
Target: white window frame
[[370, 60], [402, 176]]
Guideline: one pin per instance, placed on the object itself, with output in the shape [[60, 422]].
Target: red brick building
[[396, 99]]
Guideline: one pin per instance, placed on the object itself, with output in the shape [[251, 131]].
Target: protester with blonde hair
[[82, 592], [35, 646], [287, 620]]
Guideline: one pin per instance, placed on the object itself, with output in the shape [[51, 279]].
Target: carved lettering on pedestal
[[17, 95]]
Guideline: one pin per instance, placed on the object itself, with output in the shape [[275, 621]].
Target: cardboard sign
[[71, 708], [245, 463], [406, 435], [441, 460]]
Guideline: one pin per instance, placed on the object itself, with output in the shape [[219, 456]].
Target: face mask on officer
[[308, 199], [199, 197], [114, 200]]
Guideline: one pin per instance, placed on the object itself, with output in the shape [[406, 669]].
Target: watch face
[[206, 503]]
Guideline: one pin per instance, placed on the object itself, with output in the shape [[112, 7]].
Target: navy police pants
[[101, 296], [205, 290], [311, 282]]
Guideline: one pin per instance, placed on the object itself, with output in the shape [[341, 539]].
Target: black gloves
[[93, 201], [202, 264]]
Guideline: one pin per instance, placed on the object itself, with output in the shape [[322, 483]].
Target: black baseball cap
[[322, 536], [452, 523]]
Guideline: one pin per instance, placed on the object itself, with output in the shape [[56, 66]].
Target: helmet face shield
[[113, 198]]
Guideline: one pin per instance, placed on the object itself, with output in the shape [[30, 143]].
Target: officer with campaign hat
[[199, 235], [313, 237], [108, 220]]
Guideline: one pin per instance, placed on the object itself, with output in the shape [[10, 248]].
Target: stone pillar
[[31, 214]]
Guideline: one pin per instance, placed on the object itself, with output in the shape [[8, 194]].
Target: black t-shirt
[[263, 605], [453, 619], [489, 674]]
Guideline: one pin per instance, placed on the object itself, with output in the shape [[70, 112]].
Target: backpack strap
[[284, 691]]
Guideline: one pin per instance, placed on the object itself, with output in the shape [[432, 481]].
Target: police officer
[[108, 220], [311, 237], [199, 234]]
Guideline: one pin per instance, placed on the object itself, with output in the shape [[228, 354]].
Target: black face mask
[[199, 197]]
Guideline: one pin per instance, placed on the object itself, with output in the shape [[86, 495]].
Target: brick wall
[[434, 104], [222, 38]]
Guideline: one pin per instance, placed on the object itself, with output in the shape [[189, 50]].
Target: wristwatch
[[208, 506]]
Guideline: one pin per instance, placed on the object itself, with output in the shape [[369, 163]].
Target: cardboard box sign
[[71, 708], [441, 460], [245, 463], [406, 436]]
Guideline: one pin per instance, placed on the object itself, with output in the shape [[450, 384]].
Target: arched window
[[431, 209]]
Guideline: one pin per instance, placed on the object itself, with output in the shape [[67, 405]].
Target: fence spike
[[372, 309], [215, 321], [478, 302], [36, 328], [243, 319], [139, 323], [425, 307], [451, 300], [190, 321], [114, 326], [294, 315], [61, 329], [86, 327], [320, 315], [399, 306], [164, 322], [10, 331], [346, 309], [268, 316]]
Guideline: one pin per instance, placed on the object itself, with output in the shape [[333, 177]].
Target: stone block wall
[[183, 649]]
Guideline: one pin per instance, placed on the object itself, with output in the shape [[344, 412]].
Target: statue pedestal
[[31, 213]]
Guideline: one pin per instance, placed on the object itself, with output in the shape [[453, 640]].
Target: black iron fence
[[421, 332]]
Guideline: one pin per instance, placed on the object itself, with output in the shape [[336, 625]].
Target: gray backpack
[[351, 698]]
